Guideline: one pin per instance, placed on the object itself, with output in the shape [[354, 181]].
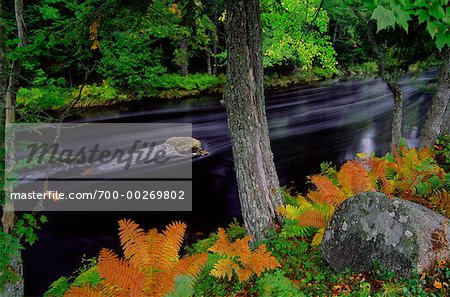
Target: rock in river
[[185, 145], [372, 228]]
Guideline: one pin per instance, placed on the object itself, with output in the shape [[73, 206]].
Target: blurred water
[[331, 121]]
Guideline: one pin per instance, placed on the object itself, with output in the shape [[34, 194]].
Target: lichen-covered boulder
[[399, 235], [185, 145]]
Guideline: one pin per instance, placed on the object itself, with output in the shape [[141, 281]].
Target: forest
[[298, 148]]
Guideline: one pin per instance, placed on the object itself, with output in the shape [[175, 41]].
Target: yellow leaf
[[317, 239]]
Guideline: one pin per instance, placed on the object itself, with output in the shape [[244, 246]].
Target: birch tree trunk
[[257, 179], [435, 116]]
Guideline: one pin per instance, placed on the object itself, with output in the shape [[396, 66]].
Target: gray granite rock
[[185, 145], [400, 235]]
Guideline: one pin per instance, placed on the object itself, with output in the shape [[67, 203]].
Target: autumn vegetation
[[60, 57]]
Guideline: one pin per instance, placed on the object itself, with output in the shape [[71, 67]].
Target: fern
[[408, 173], [85, 292], [237, 258], [440, 201], [150, 265]]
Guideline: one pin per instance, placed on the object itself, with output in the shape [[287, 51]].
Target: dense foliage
[[408, 174]]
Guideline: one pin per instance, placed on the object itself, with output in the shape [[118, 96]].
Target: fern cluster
[[150, 267], [237, 258], [407, 173]]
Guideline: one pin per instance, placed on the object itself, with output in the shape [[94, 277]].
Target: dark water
[[331, 121]]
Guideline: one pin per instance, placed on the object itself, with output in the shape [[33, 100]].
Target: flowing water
[[330, 121]]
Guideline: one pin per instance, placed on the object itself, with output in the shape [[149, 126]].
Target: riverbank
[[169, 87]]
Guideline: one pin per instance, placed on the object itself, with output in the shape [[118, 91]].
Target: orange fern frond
[[312, 218], [87, 291], [167, 246], [441, 202], [222, 246], [378, 173], [327, 192], [354, 178], [240, 259], [261, 260], [120, 273], [134, 243], [191, 265], [224, 268]]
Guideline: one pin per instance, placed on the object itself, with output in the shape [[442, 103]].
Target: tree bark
[[3, 87], [445, 127], [208, 61], [8, 217], [435, 116], [214, 51], [257, 179], [397, 112], [184, 57]]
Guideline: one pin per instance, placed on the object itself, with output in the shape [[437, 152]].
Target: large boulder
[[399, 235]]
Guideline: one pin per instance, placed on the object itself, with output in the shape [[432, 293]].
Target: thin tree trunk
[[3, 88], [435, 116], [216, 37], [8, 217], [445, 127], [214, 51], [257, 179], [184, 57], [16, 288], [208, 61], [397, 112]]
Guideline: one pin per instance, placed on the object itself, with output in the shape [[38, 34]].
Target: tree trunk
[[445, 127], [257, 179], [397, 112], [214, 68], [208, 61], [3, 87], [432, 126], [8, 218], [184, 57]]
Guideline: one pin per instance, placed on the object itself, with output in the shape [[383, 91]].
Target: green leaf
[[437, 12], [432, 28], [385, 18], [442, 39], [424, 16], [447, 16], [402, 17], [420, 3]]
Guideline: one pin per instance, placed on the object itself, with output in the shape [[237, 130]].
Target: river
[[328, 121]]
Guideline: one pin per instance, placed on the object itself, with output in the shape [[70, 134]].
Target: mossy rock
[[371, 228]]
